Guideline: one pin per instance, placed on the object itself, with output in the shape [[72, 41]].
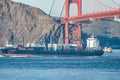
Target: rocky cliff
[[18, 20]]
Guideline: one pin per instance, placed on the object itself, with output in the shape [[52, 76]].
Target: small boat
[[107, 50]]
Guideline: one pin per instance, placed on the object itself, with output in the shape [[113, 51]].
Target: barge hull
[[51, 52]]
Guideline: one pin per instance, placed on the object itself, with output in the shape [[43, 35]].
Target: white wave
[[18, 56], [1, 56]]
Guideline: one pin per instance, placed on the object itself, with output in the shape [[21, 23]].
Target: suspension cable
[[115, 3], [51, 7], [104, 4], [62, 9]]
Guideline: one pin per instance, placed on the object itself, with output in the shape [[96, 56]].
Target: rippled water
[[106, 67]]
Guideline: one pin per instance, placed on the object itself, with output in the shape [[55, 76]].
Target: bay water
[[105, 67]]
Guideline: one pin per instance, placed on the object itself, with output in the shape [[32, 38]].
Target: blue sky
[[89, 6]]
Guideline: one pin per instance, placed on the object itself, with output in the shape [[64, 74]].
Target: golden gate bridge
[[110, 12]]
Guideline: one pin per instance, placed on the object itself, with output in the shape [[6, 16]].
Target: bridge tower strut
[[67, 9]]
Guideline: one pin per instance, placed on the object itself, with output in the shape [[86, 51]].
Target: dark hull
[[37, 51]]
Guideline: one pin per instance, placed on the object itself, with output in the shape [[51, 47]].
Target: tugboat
[[107, 50], [92, 49]]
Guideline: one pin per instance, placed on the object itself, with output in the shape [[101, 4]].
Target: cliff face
[[18, 20]]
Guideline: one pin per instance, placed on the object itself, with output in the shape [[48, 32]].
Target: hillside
[[18, 20], [107, 31]]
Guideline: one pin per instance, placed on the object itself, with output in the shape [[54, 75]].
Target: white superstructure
[[92, 43]]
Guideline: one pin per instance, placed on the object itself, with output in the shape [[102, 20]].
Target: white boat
[[107, 50]]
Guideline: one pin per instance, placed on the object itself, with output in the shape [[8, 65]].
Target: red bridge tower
[[67, 9]]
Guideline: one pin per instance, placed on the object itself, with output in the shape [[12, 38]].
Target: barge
[[92, 49]]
